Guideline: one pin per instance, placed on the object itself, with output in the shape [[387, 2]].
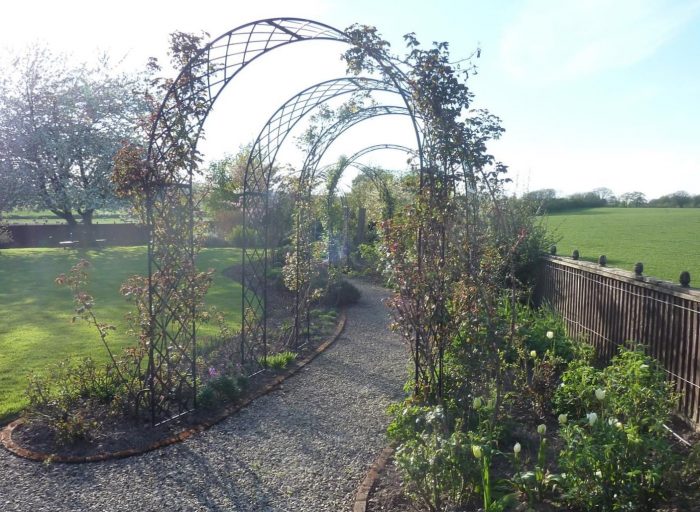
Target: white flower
[[542, 429], [476, 450], [550, 335], [618, 425], [563, 419], [517, 448], [599, 474], [435, 415], [592, 418], [600, 394], [533, 354]]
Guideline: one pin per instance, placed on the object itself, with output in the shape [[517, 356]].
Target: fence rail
[[610, 307]]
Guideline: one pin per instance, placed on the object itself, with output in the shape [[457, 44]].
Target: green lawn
[[666, 240], [36, 327], [21, 216]]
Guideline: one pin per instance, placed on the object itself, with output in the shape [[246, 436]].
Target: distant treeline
[[547, 200]]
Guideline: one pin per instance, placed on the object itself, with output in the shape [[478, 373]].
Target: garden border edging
[[363, 491], [10, 445]]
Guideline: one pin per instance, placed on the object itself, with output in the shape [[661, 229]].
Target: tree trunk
[[87, 216], [66, 215]]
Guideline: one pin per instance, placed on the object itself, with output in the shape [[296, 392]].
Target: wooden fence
[[609, 307]]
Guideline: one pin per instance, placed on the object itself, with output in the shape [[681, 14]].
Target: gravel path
[[305, 447]]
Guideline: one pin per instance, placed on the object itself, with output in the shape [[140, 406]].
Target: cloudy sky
[[597, 93]]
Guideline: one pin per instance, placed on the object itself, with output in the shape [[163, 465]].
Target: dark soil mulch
[[121, 434]]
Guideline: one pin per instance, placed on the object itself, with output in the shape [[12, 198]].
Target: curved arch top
[[286, 117], [320, 146], [209, 71], [378, 147]]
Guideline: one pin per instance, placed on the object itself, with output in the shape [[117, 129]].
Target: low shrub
[[221, 389], [437, 463], [617, 456], [371, 259], [5, 235], [237, 237], [62, 395], [342, 293], [278, 361], [215, 241]]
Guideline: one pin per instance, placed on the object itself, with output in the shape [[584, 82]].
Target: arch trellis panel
[[375, 175], [256, 198], [307, 181], [172, 158], [257, 193]]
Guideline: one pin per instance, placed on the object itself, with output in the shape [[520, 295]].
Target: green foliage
[[636, 390], [278, 361], [221, 389], [438, 464], [576, 393], [206, 397], [448, 463], [59, 397], [371, 258], [539, 483], [341, 293], [5, 235], [237, 237], [611, 467], [618, 456]]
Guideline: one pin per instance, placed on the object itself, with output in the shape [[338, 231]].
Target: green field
[[665, 240], [36, 327]]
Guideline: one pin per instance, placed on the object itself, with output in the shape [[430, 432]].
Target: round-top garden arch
[[172, 160], [257, 194]]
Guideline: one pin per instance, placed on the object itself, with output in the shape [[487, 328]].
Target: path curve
[[305, 447]]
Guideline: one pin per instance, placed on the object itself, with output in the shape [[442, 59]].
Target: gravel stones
[[304, 447]]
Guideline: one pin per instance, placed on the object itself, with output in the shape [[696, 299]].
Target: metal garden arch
[[174, 135]]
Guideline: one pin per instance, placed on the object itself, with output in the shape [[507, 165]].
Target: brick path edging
[[362, 494]]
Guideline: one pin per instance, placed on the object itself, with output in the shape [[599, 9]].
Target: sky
[[596, 93]]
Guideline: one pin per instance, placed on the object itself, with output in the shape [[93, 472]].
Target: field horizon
[[665, 240]]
